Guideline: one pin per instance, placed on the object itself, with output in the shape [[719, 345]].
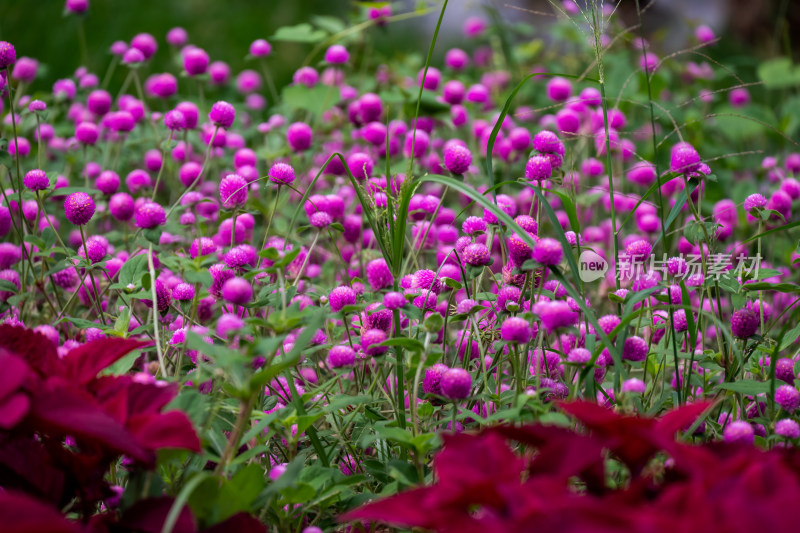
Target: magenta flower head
[[222, 114], [787, 397], [307, 76], [341, 356], [177, 37], [684, 159], [174, 120], [8, 56], [754, 201], [150, 215], [744, 323], [121, 206], [739, 432], [378, 274], [474, 226], [79, 208], [260, 48], [237, 291], [394, 300], [476, 254], [431, 384], [635, 349], [337, 55], [36, 180], [538, 168], [648, 62], [202, 246], [299, 136], [515, 330], [559, 89], [548, 252], [704, 34], [371, 340], [360, 165], [320, 220], [37, 106], [146, 44], [787, 428], [457, 158], [233, 191], [87, 133], [77, 6], [195, 61], [25, 69], [183, 292], [456, 384], [133, 56], [634, 386], [281, 173], [340, 297]]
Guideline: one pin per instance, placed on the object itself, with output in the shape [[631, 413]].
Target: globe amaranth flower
[[457, 158], [341, 356], [222, 114], [394, 300], [340, 297], [195, 61], [787, 397], [337, 54], [379, 275], [281, 173], [79, 208], [233, 191], [299, 136], [635, 349], [744, 323], [634, 386], [548, 252], [538, 168], [427, 280], [237, 291], [476, 254], [515, 330], [474, 225], [36, 180], [739, 432], [174, 120], [370, 340], [150, 215], [183, 292], [787, 428], [121, 206], [8, 55], [456, 384]]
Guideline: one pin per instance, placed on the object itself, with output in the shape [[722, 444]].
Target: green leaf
[[788, 288], [779, 73], [315, 99], [405, 342], [300, 493], [240, 492], [746, 386], [132, 270], [300, 33]]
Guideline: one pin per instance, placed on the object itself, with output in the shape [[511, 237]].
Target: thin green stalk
[[151, 268]]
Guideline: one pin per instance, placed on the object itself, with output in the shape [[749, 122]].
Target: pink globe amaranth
[[787, 428], [237, 291], [559, 89], [340, 297], [260, 48], [202, 246], [635, 349], [87, 133], [299, 136], [145, 43], [107, 182], [704, 34], [337, 54], [25, 69], [174, 120], [548, 252], [177, 37], [341, 356], [515, 330], [744, 323], [787, 397], [684, 159], [431, 383], [150, 215], [740, 432], [190, 114], [538, 168], [189, 173], [360, 165], [36, 180], [222, 114], [456, 59], [476, 254], [281, 173], [457, 158], [634, 386], [370, 341], [379, 275], [121, 206], [8, 55], [183, 292], [394, 300], [233, 191], [99, 102], [456, 384], [79, 208]]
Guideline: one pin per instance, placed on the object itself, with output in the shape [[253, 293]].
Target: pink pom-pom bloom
[[36, 180], [222, 114], [456, 384], [260, 48], [237, 291], [548, 252], [150, 215], [233, 191], [281, 173], [341, 297], [79, 208]]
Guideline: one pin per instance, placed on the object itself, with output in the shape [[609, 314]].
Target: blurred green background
[[224, 28]]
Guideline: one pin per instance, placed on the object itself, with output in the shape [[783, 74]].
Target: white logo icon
[[591, 266]]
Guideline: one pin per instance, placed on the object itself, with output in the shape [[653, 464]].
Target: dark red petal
[[20, 513], [148, 516], [167, 430], [13, 409], [34, 348], [82, 364], [240, 523]]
